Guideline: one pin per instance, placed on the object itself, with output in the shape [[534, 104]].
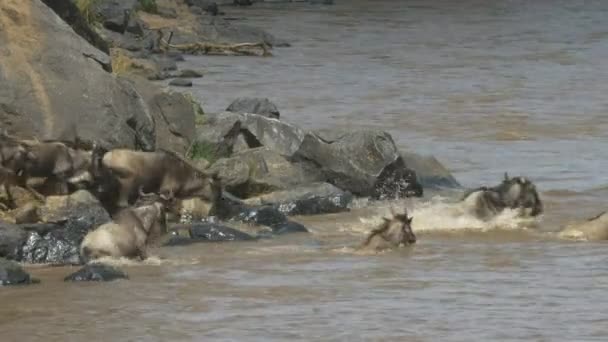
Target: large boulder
[[365, 163], [430, 172], [254, 105], [262, 170], [12, 274], [227, 132], [57, 82], [173, 113], [313, 199]]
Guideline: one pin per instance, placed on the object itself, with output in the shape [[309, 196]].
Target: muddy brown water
[[486, 87]]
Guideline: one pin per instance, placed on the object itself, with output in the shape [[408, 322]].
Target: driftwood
[[217, 49]]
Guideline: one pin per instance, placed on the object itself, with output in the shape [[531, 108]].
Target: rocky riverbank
[[84, 76]]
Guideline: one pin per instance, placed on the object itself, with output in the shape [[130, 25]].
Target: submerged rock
[[313, 199], [365, 163], [12, 274], [180, 82], [254, 105], [288, 227], [96, 272], [206, 232]]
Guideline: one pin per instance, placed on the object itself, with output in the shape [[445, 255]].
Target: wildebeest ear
[[506, 176], [409, 219]]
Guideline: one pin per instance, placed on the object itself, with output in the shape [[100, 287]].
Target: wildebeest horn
[[166, 196], [506, 176]]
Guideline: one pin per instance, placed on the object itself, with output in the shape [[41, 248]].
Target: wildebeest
[[160, 172], [594, 229], [13, 161], [62, 165], [393, 232], [513, 193], [130, 231]]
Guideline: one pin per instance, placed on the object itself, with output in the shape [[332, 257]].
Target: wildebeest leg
[[141, 252], [9, 196]]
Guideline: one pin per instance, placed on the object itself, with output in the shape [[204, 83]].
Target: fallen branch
[[217, 49]]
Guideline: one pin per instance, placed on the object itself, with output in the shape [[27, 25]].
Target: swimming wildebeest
[[130, 231], [513, 193], [393, 232], [594, 229], [159, 172]]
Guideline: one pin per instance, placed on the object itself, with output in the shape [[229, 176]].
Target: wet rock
[[288, 227], [430, 172], [180, 82], [259, 171], [12, 238], [361, 162], [69, 219], [189, 73], [264, 216], [12, 274], [254, 105], [313, 199], [96, 272], [207, 232], [321, 2]]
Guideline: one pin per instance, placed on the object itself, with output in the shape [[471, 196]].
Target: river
[[486, 87]]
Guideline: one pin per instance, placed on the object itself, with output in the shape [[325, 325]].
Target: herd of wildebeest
[[141, 190]]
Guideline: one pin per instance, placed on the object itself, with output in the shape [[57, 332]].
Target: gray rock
[[67, 10], [289, 227], [96, 272], [12, 274], [208, 6], [313, 199], [173, 115], [431, 173], [60, 81], [267, 171], [70, 219], [114, 14], [180, 82], [219, 134], [254, 105], [255, 131], [207, 232], [366, 163]]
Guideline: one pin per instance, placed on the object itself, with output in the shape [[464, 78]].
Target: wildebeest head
[[520, 192], [396, 230], [151, 209]]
